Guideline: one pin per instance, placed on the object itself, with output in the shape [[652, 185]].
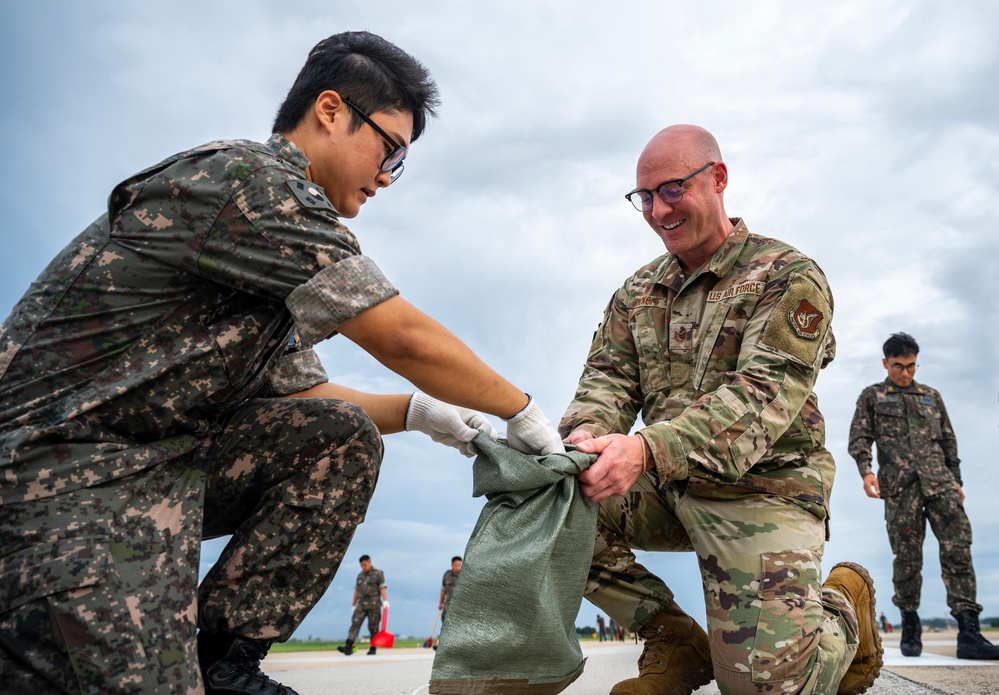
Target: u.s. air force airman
[[718, 344]]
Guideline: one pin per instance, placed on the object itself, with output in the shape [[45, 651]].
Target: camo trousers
[[906, 515], [772, 626], [363, 609], [108, 598]]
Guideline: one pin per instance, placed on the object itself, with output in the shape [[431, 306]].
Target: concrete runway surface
[[407, 671]]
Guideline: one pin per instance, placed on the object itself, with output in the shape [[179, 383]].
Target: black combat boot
[[970, 643], [372, 651], [347, 648], [231, 664], [911, 643]]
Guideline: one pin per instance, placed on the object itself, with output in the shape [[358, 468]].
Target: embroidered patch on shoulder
[[800, 321], [805, 320], [310, 195]]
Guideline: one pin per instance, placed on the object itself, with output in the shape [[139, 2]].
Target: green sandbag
[[510, 625]]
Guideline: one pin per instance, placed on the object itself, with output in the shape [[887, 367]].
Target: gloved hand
[[530, 432], [445, 423]]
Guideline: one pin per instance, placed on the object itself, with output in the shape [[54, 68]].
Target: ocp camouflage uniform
[[447, 586], [918, 468], [369, 603], [140, 411], [721, 366]]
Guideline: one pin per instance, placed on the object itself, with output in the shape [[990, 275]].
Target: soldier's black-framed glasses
[[899, 367], [393, 160], [670, 191]]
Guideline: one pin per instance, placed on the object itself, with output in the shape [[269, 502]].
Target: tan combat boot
[[676, 659], [856, 585]]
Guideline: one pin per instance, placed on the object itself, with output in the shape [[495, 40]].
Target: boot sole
[[687, 684], [873, 634]]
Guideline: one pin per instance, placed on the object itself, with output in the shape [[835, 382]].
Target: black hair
[[900, 344], [365, 557], [374, 74], [456, 558]]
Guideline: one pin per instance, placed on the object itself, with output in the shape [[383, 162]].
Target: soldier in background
[[718, 344], [447, 586], [370, 593], [158, 386], [919, 479]]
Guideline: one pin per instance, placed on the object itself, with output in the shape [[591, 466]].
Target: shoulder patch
[[805, 320], [310, 195], [800, 322]]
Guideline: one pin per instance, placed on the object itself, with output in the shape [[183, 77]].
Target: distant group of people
[[371, 597], [611, 633], [159, 386]]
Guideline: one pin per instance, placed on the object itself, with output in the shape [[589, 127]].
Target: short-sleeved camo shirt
[[209, 279], [447, 584], [369, 588], [721, 366]]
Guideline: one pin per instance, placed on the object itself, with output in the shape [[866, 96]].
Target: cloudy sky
[[863, 133]]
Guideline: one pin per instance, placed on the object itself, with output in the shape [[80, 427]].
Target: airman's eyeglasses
[[670, 191], [393, 160], [899, 367]]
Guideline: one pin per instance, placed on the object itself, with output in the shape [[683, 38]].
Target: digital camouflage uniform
[[917, 471], [721, 367], [141, 377], [369, 602], [447, 586]]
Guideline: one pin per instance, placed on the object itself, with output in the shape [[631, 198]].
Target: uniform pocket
[[49, 568], [889, 420], [652, 343], [787, 633]]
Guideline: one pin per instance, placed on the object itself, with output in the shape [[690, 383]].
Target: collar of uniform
[[724, 259], [892, 386], [721, 263], [288, 151]]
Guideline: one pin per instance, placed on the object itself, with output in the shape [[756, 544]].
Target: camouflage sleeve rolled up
[[721, 365], [862, 435], [297, 370]]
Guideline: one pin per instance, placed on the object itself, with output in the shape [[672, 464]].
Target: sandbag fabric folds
[[510, 627]]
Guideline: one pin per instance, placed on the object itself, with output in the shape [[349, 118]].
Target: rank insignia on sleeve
[[805, 320], [310, 195]]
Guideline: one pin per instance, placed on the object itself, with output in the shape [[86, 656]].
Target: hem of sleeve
[[335, 294], [297, 371], [667, 452]]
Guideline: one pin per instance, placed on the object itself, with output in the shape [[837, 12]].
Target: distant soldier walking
[[447, 586], [369, 593], [919, 478]]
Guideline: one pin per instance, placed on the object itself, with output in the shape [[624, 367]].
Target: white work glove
[[447, 424], [530, 432]]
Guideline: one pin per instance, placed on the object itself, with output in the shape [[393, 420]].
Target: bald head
[[694, 225], [688, 144]]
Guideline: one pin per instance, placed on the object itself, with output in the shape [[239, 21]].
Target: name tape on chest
[[755, 287]]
